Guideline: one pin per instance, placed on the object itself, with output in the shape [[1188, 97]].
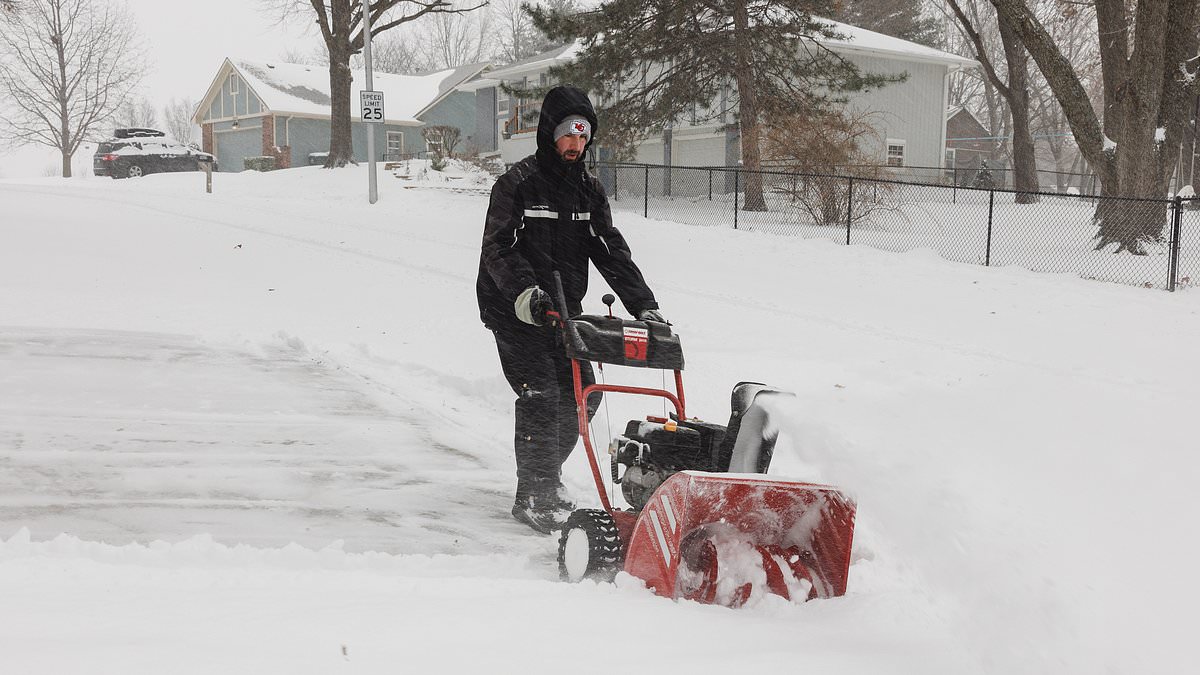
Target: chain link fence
[[1055, 232]]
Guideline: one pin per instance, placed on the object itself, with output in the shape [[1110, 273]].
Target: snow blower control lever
[[699, 502]]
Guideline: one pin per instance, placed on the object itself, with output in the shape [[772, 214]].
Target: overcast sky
[[187, 41]]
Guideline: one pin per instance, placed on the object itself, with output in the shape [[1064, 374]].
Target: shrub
[[264, 163], [819, 147]]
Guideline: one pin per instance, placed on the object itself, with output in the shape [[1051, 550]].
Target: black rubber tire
[[135, 171], [603, 552]]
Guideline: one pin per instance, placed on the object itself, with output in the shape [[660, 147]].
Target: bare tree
[[1147, 52], [69, 64], [341, 26], [308, 56], [177, 118], [454, 40], [136, 112], [515, 35], [1014, 87], [394, 53]]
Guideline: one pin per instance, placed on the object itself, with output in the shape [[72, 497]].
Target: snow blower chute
[[705, 522]]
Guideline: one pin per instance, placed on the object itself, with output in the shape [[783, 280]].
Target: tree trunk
[[748, 115], [1025, 178], [1123, 154], [64, 103], [341, 147]]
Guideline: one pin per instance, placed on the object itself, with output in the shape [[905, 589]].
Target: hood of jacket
[[558, 104]]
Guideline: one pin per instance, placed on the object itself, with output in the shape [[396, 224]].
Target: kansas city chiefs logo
[[579, 127]]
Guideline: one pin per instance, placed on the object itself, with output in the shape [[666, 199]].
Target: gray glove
[[532, 304], [652, 315]]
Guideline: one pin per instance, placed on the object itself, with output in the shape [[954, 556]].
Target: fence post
[[1176, 230], [849, 205], [646, 195], [954, 189], [710, 185], [987, 257], [737, 175]]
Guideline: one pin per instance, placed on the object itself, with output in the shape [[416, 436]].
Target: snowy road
[[121, 437]]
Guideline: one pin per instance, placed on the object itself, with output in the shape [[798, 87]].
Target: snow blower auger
[[705, 522]]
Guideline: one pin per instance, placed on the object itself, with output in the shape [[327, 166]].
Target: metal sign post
[[373, 115]]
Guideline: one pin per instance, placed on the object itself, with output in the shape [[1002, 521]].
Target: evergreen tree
[[650, 63], [983, 177]]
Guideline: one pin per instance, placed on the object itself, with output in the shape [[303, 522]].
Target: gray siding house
[[908, 116], [282, 110]]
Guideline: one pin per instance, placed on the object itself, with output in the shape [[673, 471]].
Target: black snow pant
[[547, 428]]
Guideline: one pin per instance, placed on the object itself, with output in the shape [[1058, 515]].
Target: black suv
[[133, 153]]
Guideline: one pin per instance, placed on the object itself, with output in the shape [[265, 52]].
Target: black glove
[[652, 315], [532, 304]]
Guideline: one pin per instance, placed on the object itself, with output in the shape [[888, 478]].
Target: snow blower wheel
[[590, 547]]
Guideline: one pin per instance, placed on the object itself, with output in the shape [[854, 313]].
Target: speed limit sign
[[371, 103]]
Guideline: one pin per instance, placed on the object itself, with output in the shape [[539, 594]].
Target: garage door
[[234, 146]]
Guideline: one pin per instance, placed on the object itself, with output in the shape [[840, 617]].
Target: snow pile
[[456, 174]]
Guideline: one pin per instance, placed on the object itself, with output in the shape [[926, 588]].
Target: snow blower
[[705, 522]]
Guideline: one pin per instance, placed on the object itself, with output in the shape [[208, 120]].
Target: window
[[951, 157], [233, 83], [395, 144], [895, 151], [501, 101]]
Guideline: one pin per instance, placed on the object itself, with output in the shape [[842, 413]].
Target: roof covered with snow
[[304, 90], [868, 41], [852, 38], [539, 62]]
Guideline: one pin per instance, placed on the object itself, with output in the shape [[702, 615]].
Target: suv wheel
[[134, 171]]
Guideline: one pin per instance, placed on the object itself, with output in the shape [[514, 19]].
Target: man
[[548, 214]]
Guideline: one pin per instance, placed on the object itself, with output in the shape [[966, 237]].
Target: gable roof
[[967, 118], [450, 83], [304, 90]]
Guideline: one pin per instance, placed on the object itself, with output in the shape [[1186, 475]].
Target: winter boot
[[542, 513]]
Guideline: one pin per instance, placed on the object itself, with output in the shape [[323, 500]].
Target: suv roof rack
[[136, 132]]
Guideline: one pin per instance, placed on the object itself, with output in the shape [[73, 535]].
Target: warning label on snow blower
[[636, 342]]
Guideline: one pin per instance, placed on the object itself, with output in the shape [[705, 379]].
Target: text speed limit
[[372, 106]]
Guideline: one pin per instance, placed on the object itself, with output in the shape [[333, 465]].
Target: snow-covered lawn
[[190, 382], [1056, 234]]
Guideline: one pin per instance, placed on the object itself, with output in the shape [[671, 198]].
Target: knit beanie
[[576, 125]]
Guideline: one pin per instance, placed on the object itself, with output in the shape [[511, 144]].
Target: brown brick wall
[[282, 155]]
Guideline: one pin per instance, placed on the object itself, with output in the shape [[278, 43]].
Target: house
[[968, 144], [255, 108], [909, 116]]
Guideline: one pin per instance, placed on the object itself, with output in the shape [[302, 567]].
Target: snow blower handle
[[560, 299]]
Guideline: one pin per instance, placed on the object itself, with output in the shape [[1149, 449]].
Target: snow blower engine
[[654, 449], [705, 522]]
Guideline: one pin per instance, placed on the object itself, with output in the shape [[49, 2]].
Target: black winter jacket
[[548, 215]]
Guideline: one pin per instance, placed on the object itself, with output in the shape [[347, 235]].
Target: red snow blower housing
[[705, 522]]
